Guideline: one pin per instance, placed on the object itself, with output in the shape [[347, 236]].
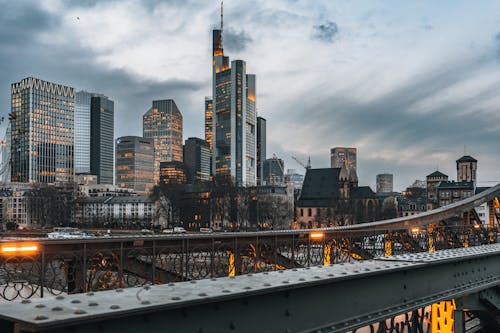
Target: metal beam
[[337, 298]]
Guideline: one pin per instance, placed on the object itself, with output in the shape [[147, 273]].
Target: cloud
[[235, 40], [497, 41], [326, 31]]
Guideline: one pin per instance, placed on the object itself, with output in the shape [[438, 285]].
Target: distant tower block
[[466, 169], [385, 183]]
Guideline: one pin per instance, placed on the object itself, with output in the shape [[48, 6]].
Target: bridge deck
[[337, 298]]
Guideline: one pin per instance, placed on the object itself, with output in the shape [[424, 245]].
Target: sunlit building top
[[163, 123]]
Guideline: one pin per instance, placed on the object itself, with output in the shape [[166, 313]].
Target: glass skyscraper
[[102, 138], [94, 135], [134, 163], [234, 117], [197, 160], [163, 123], [42, 131]]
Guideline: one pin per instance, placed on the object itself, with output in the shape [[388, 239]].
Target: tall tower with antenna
[[234, 115]]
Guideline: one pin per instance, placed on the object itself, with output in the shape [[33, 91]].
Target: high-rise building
[[197, 160], [42, 131], [466, 169], [342, 156], [433, 180], [82, 132], [261, 149], [134, 163], [234, 117], [294, 178], [94, 136], [209, 130], [273, 172], [384, 183], [163, 123]]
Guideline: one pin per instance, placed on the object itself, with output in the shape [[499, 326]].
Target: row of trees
[[221, 204]]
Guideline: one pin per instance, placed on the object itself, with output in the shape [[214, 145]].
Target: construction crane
[[305, 166]]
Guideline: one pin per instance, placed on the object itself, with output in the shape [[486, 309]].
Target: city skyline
[[403, 86]]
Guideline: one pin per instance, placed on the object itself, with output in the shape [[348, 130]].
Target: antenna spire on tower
[[222, 15]]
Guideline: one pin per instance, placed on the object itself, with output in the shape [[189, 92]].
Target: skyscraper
[[134, 163], [261, 149], [102, 139], [341, 156], [82, 131], [234, 117], [94, 135], [163, 123], [42, 131], [197, 160]]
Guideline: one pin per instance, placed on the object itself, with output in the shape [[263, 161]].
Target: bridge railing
[[51, 267]]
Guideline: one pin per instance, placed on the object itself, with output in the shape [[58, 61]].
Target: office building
[[384, 183], [234, 117], [42, 131], [273, 172], [163, 123], [197, 160], [261, 149], [94, 136], [172, 173], [134, 163], [209, 124]]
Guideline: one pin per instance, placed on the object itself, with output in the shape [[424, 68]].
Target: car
[[206, 230], [179, 230]]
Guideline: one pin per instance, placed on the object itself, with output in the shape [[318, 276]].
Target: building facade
[[384, 183], [273, 172], [234, 117], [102, 138], [42, 131], [466, 169], [340, 156], [433, 180], [197, 160], [172, 173], [209, 122], [134, 163], [163, 124], [261, 149]]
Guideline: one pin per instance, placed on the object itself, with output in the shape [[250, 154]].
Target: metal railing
[[41, 267]]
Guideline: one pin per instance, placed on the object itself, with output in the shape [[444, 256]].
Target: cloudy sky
[[410, 84]]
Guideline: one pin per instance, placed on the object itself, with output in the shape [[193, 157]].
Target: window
[[309, 212]]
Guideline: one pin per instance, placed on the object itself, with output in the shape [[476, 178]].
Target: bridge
[[423, 269]]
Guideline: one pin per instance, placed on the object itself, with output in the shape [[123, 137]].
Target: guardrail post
[[459, 321]]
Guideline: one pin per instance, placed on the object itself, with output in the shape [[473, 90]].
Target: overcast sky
[[410, 84]]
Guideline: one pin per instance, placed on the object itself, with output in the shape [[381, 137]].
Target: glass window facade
[[163, 123], [134, 163], [102, 139], [42, 131], [197, 160]]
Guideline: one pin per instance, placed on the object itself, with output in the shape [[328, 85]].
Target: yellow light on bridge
[[316, 235], [10, 249], [415, 230], [477, 226]]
